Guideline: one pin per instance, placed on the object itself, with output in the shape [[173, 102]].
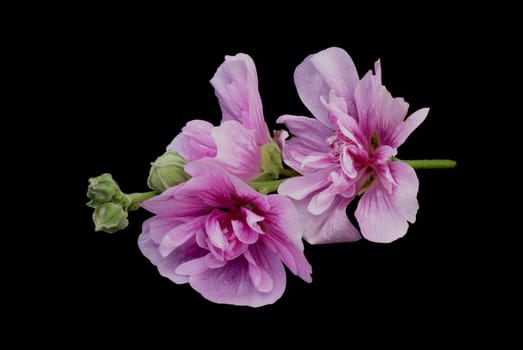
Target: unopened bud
[[167, 171], [110, 217], [102, 189]]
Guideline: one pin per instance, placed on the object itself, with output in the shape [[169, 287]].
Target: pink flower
[[223, 238], [348, 150], [236, 142]]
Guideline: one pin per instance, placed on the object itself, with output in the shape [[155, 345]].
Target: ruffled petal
[[332, 226], [301, 186], [236, 86], [321, 201], [312, 133], [180, 234], [318, 74], [160, 225], [309, 137], [195, 141], [167, 265], [232, 284], [411, 123], [383, 216], [284, 236], [378, 112], [243, 232], [237, 150]]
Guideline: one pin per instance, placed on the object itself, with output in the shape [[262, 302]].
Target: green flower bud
[[102, 189], [271, 162], [110, 217], [167, 171]]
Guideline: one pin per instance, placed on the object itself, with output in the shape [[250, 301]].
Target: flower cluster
[[232, 204]]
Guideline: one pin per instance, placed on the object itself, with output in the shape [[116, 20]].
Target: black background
[[128, 83]]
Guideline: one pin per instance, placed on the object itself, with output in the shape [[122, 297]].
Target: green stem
[[430, 163], [138, 198], [266, 187]]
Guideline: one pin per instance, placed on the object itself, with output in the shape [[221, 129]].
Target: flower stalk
[[430, 163]]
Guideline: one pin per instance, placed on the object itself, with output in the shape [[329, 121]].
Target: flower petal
[[284, 234], [301, 186], [159, 226], [312, 133], [232, 283], [180, 234], [383, 216], [214, 230], [195, 141], [237, 150], [411, 123], [222, 185], [332, 226], [378, 111], [318, 74], [243, 232], [167, 266], [322, 200], [252, 219], [192, 267], [236, 86], [259, 277], [309, 137]]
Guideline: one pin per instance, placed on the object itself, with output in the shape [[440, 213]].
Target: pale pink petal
[[411, 123], [160, 225], [236, 86], [284, 235], [187, 251], [317, 161], [321, 201], [180, 234], [301, 186], [166, 266], [252, 219], [238, 151], [195, 141], [192, 267], [279, 138], [378, 112], [347, 164], [243, 232], [214, 230], [382, 164], [332, 226], [147, 246], [318, 74], [309, 137], [383, 216], [168, 204], [365, 104], [259, 277], [313, 133], [232, 283], [350, 129]]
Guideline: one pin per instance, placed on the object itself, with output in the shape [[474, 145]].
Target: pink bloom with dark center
[[236, 142], [226, 240], [348, 150]]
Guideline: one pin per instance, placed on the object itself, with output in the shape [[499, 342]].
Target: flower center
[[229, 232]]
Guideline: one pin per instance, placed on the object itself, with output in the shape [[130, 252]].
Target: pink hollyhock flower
[[236, 142], [223, 238], [348, 150]]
